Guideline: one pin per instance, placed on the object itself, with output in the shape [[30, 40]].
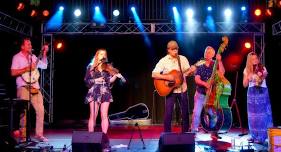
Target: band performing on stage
[[101, 77]]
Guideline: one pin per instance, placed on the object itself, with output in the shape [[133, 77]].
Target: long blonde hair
[[249, 62], [94, 62]]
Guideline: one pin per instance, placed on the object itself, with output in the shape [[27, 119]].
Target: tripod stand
[[136, 125], [234, 103]]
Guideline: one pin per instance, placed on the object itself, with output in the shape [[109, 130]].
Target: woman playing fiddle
[[258, 102], [98, 78]]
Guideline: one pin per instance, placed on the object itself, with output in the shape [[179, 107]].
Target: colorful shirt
[[205, 73]]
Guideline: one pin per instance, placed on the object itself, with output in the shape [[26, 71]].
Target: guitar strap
[[179, 62]]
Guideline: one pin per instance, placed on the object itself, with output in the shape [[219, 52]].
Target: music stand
[[133, 130], [234, 103]]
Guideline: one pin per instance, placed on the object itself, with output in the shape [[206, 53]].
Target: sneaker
[[41, 138]]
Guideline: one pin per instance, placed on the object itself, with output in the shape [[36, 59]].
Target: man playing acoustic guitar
[[171, 71], [24, 62]]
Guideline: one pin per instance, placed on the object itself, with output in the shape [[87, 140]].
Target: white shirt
[[252, 81], [20, 61], [168, 63]]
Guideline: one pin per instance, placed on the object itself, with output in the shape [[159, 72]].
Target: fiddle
[[109, 68], [258, 78]]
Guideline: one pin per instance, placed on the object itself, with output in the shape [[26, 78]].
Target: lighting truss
[[256, 29], [132, 28], [8, 23], [276, 28]]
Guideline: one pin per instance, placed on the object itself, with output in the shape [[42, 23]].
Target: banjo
[[33, 76]]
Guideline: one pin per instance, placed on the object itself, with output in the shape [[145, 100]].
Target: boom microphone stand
[[136, 125], [234, 103], [28, 125]]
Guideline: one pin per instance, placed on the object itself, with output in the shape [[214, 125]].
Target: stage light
[[20, 6], [46, 13], [243, 8], [257, 12], [33, 13], [268, 12], [59, 45], [77, 12], [227, 13], [133, 9], [97, 8], [189, 13], [61, 8], [247, 45], [209, 8], [116, 13]]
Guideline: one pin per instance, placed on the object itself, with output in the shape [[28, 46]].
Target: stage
[[61, 139]]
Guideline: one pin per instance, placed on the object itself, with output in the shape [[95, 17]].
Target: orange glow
[[59, 45], [247, 45], [33, 13], [46, 13], [258, 12]]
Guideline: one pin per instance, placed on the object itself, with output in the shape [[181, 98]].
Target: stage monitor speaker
[[84, 141], [172, 142]]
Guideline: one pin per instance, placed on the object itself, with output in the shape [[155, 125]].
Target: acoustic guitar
[[164, 87]]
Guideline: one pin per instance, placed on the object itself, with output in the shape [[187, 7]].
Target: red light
[[247, 45], [33, 13], [45, 13], [268, 12], [20, 6], [59, 45], [258, 12]]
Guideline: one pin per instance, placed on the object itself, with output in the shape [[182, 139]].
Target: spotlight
[[61, 8], [268, 12], [247, 45], [243, 8], [116, 13], [227, 12], [209, 8], [257, 12], [133, 9], [45, 13], [97, 8], [33, 13], [77, 12], [189, 13], [20, 6], [59, 45]]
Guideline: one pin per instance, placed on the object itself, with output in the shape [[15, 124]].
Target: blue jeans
[[199, 102], [169, 108]]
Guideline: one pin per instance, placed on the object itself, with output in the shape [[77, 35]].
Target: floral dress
[[98, 91]]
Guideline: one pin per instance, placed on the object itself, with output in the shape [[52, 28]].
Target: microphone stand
[[234, 103]]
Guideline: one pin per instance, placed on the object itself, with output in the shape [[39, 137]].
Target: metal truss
[[46, 79], [256, 29], [276, 28], [134, 28], [8, 23]]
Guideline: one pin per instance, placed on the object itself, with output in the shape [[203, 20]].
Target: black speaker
[[84, 141], [172, 142]]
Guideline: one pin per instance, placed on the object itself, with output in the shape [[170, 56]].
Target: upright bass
[[216, 114]]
